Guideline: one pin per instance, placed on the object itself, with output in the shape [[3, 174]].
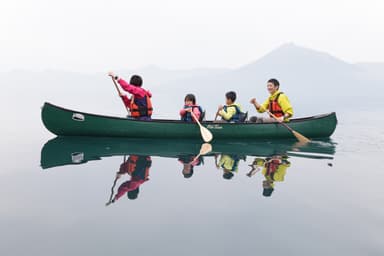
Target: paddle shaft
[[205, 133], [194, 159], [197, 120], [298, 135], [282, 123], [118, 92], [113, 186], [202, 151]]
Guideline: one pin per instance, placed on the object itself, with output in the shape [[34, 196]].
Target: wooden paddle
[[205, 149], [118, 92], [301, 138], [205, 133]]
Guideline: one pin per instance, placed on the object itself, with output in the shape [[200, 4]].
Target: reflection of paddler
[[189, 161], [274, 170], [257, 165], [138, 168], [229, 164]]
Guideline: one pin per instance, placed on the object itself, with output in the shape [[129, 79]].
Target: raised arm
[[136, 91]]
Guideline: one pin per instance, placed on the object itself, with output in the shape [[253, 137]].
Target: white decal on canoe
[[214, 126], [78, 117]]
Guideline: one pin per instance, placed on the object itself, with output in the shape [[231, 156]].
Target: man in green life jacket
[[278, 104]]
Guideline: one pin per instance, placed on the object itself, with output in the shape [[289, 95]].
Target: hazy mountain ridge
[[316, 82]]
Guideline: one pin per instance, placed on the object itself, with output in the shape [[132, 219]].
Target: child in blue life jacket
[[231, 111], [190, 107]]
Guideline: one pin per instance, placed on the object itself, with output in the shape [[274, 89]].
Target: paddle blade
[[301, 138], [205, 148], [206, 134]]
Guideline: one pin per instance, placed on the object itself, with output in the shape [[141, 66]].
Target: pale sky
[[98, 35]]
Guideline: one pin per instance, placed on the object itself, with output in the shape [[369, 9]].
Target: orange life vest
[[141, 107], [274, 106]]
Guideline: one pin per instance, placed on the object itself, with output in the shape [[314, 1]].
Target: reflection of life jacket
[[141, 107], [188, 117], [137, 166], [232, 162], [236, 117], [274, 106], [271, 167]]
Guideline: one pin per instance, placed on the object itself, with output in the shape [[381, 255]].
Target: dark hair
[[267, 192], [190, 97], [136, 81], [228, 175], [274, 81], [231, 96], [132, 195], [188, 175]]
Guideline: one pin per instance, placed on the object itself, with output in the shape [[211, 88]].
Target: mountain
[[315, 82]]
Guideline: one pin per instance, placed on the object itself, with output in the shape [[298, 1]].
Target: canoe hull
[[65, 122]]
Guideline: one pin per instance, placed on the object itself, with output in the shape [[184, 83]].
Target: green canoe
[[67, 150], [65, 122]]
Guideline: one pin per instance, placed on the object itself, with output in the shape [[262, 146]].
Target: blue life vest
[[188, 117], [236, 117]]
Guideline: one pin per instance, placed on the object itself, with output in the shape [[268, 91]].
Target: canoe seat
[[243, 117]]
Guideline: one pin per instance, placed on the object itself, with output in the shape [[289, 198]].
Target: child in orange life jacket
[[277, 103], [231, 112], [140, 103], [190, 107]]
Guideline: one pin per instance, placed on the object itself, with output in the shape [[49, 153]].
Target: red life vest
[[141, 107], [275, 108]]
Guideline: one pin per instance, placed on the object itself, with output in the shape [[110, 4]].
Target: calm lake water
[[324, 199]]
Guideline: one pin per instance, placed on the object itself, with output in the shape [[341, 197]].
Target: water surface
[[329, 202]]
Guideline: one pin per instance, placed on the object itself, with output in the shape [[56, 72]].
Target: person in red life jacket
[[138, 168], [189, 162], [189, 107], [140, 103], [277, 103]]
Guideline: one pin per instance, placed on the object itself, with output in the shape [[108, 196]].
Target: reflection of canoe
[[75, 150], [66, 122]]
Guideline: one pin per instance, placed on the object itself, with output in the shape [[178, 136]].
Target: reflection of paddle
[[118, 91], [301, 138], [205, 133], [205, 149], [113, 188], [112, 192]]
